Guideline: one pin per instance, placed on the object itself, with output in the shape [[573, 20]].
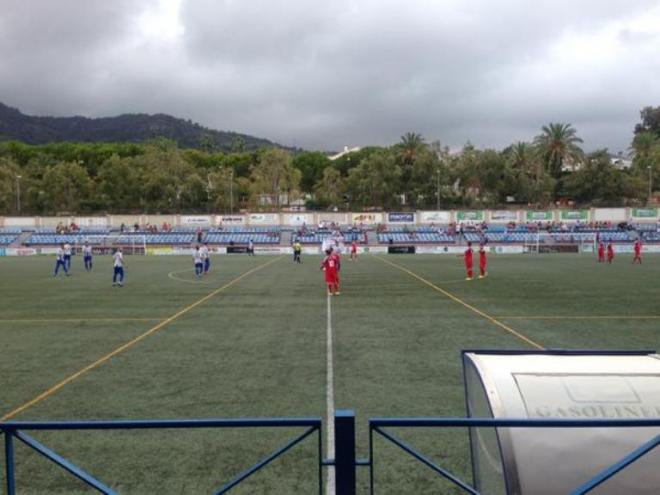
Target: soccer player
[[87, 256], [337, 256], [354, 250], [118, 264], [67, 256], [483, 261], [638, 252], [601, 252], [297, 250], [206, 257], [199, 264], [329, 266], [610, 253], [467, 257], [59, 261], [250, 248]]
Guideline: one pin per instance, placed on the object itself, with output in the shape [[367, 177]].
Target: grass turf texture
[[257, 348]]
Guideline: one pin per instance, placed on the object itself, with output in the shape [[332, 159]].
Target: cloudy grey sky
[[322, 74]]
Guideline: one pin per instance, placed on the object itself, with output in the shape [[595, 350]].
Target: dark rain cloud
[[323, 74]]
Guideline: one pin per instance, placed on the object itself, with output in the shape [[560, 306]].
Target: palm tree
[[523, 158], [558, 143], [411, 145], [643, 143]]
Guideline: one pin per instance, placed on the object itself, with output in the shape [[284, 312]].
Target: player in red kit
[[467, 257], [601, 252], [610, 253], [354, 250], [483, 261], [638, 252], [329, 266], [337, 257]]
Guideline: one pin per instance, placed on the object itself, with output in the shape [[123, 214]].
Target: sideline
[[74, 320], [131, 343], [458, 300]]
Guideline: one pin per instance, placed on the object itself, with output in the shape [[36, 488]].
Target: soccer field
[[250, 340]]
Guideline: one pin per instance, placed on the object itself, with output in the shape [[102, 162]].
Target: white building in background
[[345, 152], [620, 162]]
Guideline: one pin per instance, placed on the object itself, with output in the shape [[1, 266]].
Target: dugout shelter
[[569, 385]]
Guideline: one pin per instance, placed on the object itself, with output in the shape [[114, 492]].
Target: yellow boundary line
[[55, 320], [586, 317], [458, 300], [130, 343]]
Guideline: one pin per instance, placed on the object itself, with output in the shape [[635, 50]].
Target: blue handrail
[[378, 425], [17, 429]]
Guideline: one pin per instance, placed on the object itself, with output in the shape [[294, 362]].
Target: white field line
[[173, 276], [330, 401]]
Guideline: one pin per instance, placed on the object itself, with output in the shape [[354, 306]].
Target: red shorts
[[331, 277]]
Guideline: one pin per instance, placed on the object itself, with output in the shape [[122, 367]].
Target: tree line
[[160, 177]]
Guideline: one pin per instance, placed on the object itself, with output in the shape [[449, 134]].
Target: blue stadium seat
[[651, 236], [6, 239]]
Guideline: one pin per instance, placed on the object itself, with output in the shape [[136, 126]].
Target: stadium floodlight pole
[[650, 183], [231, 192], [18, 194], [438, 189]]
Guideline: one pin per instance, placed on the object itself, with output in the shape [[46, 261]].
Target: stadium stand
[[382, 234], [312, 237], [650, 236], [161, 238], [617, 236], [415, 237], [44, 239], [6, 239], [242, 235], [9, 235]]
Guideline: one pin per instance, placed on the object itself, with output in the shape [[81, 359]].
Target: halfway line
[[330, 402], [463, 303], [55, 320], [129, 344]]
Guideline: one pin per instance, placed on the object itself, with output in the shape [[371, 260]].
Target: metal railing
[[17, 430], [345, 461], [378, 425]]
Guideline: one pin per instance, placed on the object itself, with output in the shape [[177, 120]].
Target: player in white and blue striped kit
[[118, 268], [87, 256], [67, 256], [59, 261], [206, 257], [199, 264]]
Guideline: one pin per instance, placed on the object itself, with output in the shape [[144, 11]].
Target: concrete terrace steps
[[285, 238], [372, 238], [18, 243]]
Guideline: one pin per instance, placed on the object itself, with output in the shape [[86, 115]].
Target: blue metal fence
[[17, 430], [378, 425], [345, 461]]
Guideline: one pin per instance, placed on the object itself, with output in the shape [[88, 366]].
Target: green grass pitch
[[258, 348]]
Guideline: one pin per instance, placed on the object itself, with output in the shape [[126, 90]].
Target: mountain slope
[[123, 128]]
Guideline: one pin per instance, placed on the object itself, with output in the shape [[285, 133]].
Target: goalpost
[[531, 243], [555, 242], [106, 243]]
